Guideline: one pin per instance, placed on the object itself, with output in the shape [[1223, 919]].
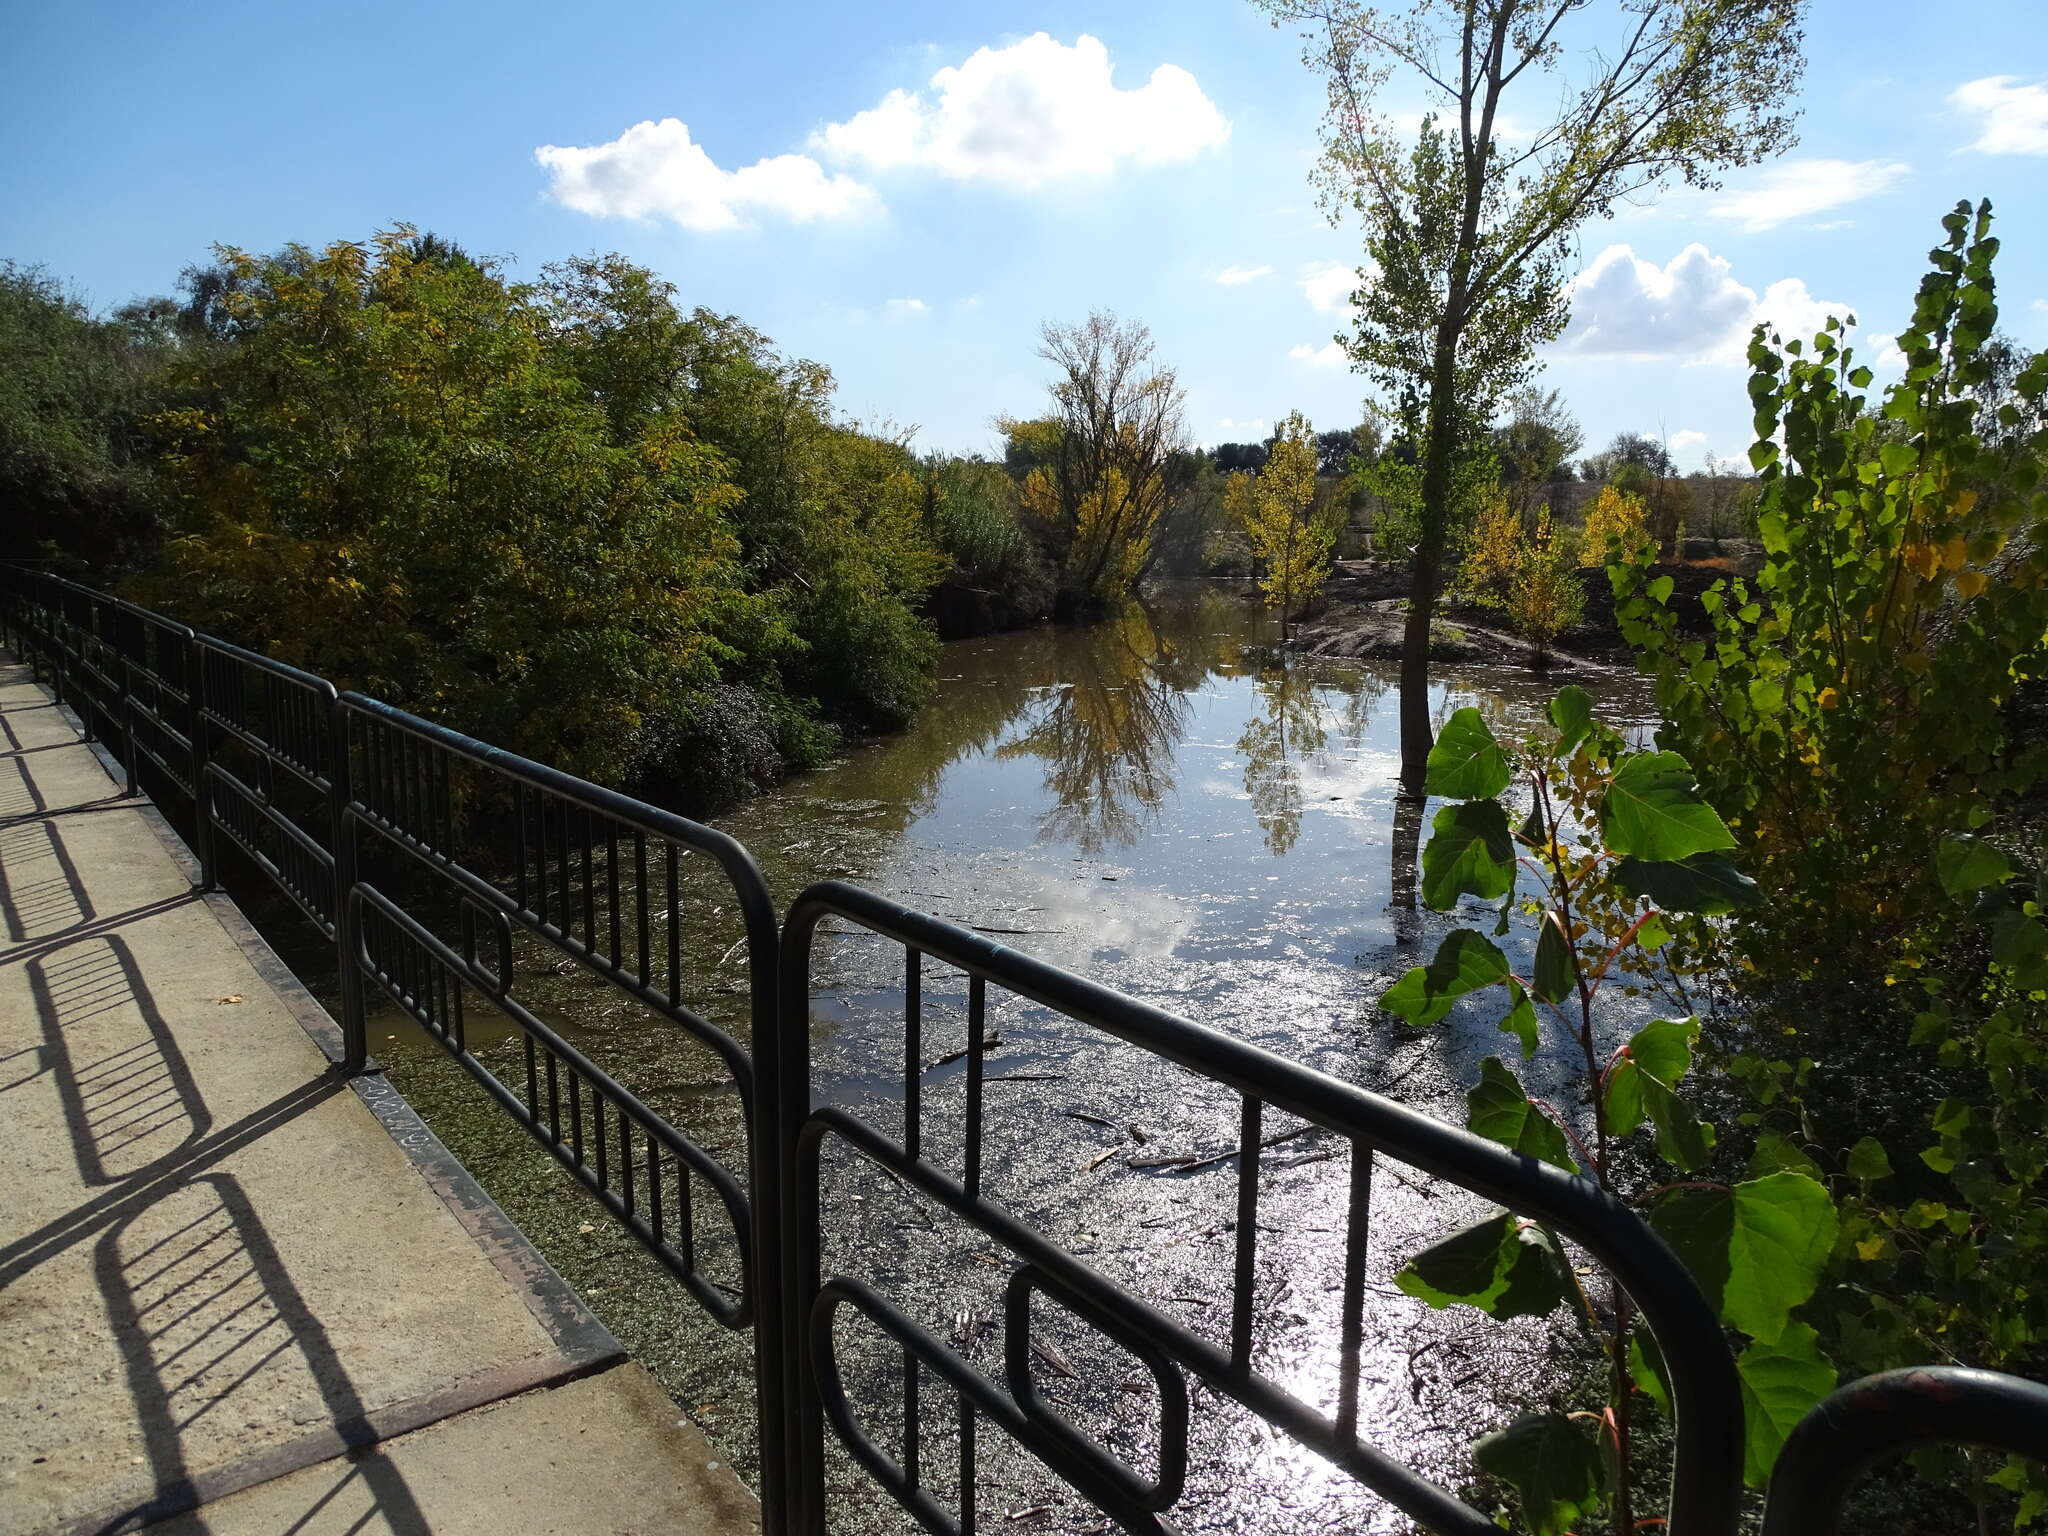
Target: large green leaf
[[1502, 1268], [1642, 1082], [1553, 1464], [1663, 1048], [1780, 1382], [1775, 1150], [1498, 1108], [1465, 962], [1469, 853], [1967, 863], [1572, 713], [1756, 1249], [1653, 810], [1466, 763], [1867, 1160], [1521, 1020], [1682, 1137], [1646, 1367], [1707, 883], [1555, 974]]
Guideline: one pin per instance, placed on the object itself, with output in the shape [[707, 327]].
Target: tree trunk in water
[[1440, 451], [1416, 738], [1402, 866]]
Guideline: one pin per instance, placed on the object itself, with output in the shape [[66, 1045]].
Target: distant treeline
[[572, 516]]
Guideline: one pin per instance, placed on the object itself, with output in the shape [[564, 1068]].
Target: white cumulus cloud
[[1031, 112], [1329, 355], [1797, 189], [1329, 287], [1690, 310], [2012, 119], [1242, 431], [1684, 440], [656, 171], [1232, 277]]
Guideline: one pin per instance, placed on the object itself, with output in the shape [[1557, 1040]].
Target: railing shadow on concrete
[[204, 1313]]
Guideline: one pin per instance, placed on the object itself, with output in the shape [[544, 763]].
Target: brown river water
[[1167, 804]]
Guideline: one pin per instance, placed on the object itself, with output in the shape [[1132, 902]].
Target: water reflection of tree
[[1273, 746], [1108, 736]]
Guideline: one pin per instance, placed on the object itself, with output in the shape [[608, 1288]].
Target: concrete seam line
[[487, 1390]]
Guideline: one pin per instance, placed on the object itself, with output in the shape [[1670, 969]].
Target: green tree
[[1850, 709], [1291, 528], [1861, 712], [75, 470], [1537, 438], [385, 475], [834, 540], [1466, 231]]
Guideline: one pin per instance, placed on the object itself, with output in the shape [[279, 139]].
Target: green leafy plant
[[1629, 866], [1860, 711]]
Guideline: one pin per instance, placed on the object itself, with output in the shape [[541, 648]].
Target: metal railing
[[440, 868]]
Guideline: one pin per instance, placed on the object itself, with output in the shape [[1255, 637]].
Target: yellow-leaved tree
[[1495, 550], [1545, 598], [1617, 517], [1096, 488], [1277, 507]]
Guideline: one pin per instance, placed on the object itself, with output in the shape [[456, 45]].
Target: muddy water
[[1165, 804]]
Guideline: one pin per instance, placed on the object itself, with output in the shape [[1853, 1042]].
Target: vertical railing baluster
[[611, 881], [654, 1189], [1245, 1281], [977, 1001], [966, 1465], [202, 791], [626, 1161], [565, 917], [589, 886], [1351, 1321], [340, 795], [598, 1143], [540, 864], [675, 927], [575, 1117], [913, 1050], [686, 1215], [519, 820], [640, 900], [911, 1373]]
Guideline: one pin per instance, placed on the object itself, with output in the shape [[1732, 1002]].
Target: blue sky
[[801, 166]]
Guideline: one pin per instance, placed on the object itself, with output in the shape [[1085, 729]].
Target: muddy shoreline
[[1361, 613]]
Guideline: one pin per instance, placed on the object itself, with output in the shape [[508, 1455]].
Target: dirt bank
[[1363, 610]]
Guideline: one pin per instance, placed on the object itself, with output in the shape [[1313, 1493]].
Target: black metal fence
[[438, 866]]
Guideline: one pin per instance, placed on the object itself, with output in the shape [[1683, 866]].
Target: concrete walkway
[[232, 1298]]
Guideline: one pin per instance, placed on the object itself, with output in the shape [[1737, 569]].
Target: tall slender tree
[[1468, 221]]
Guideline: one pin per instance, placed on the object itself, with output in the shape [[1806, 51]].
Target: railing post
[[132, 640], [355, 1049], [202, 756], [784, 1072]]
